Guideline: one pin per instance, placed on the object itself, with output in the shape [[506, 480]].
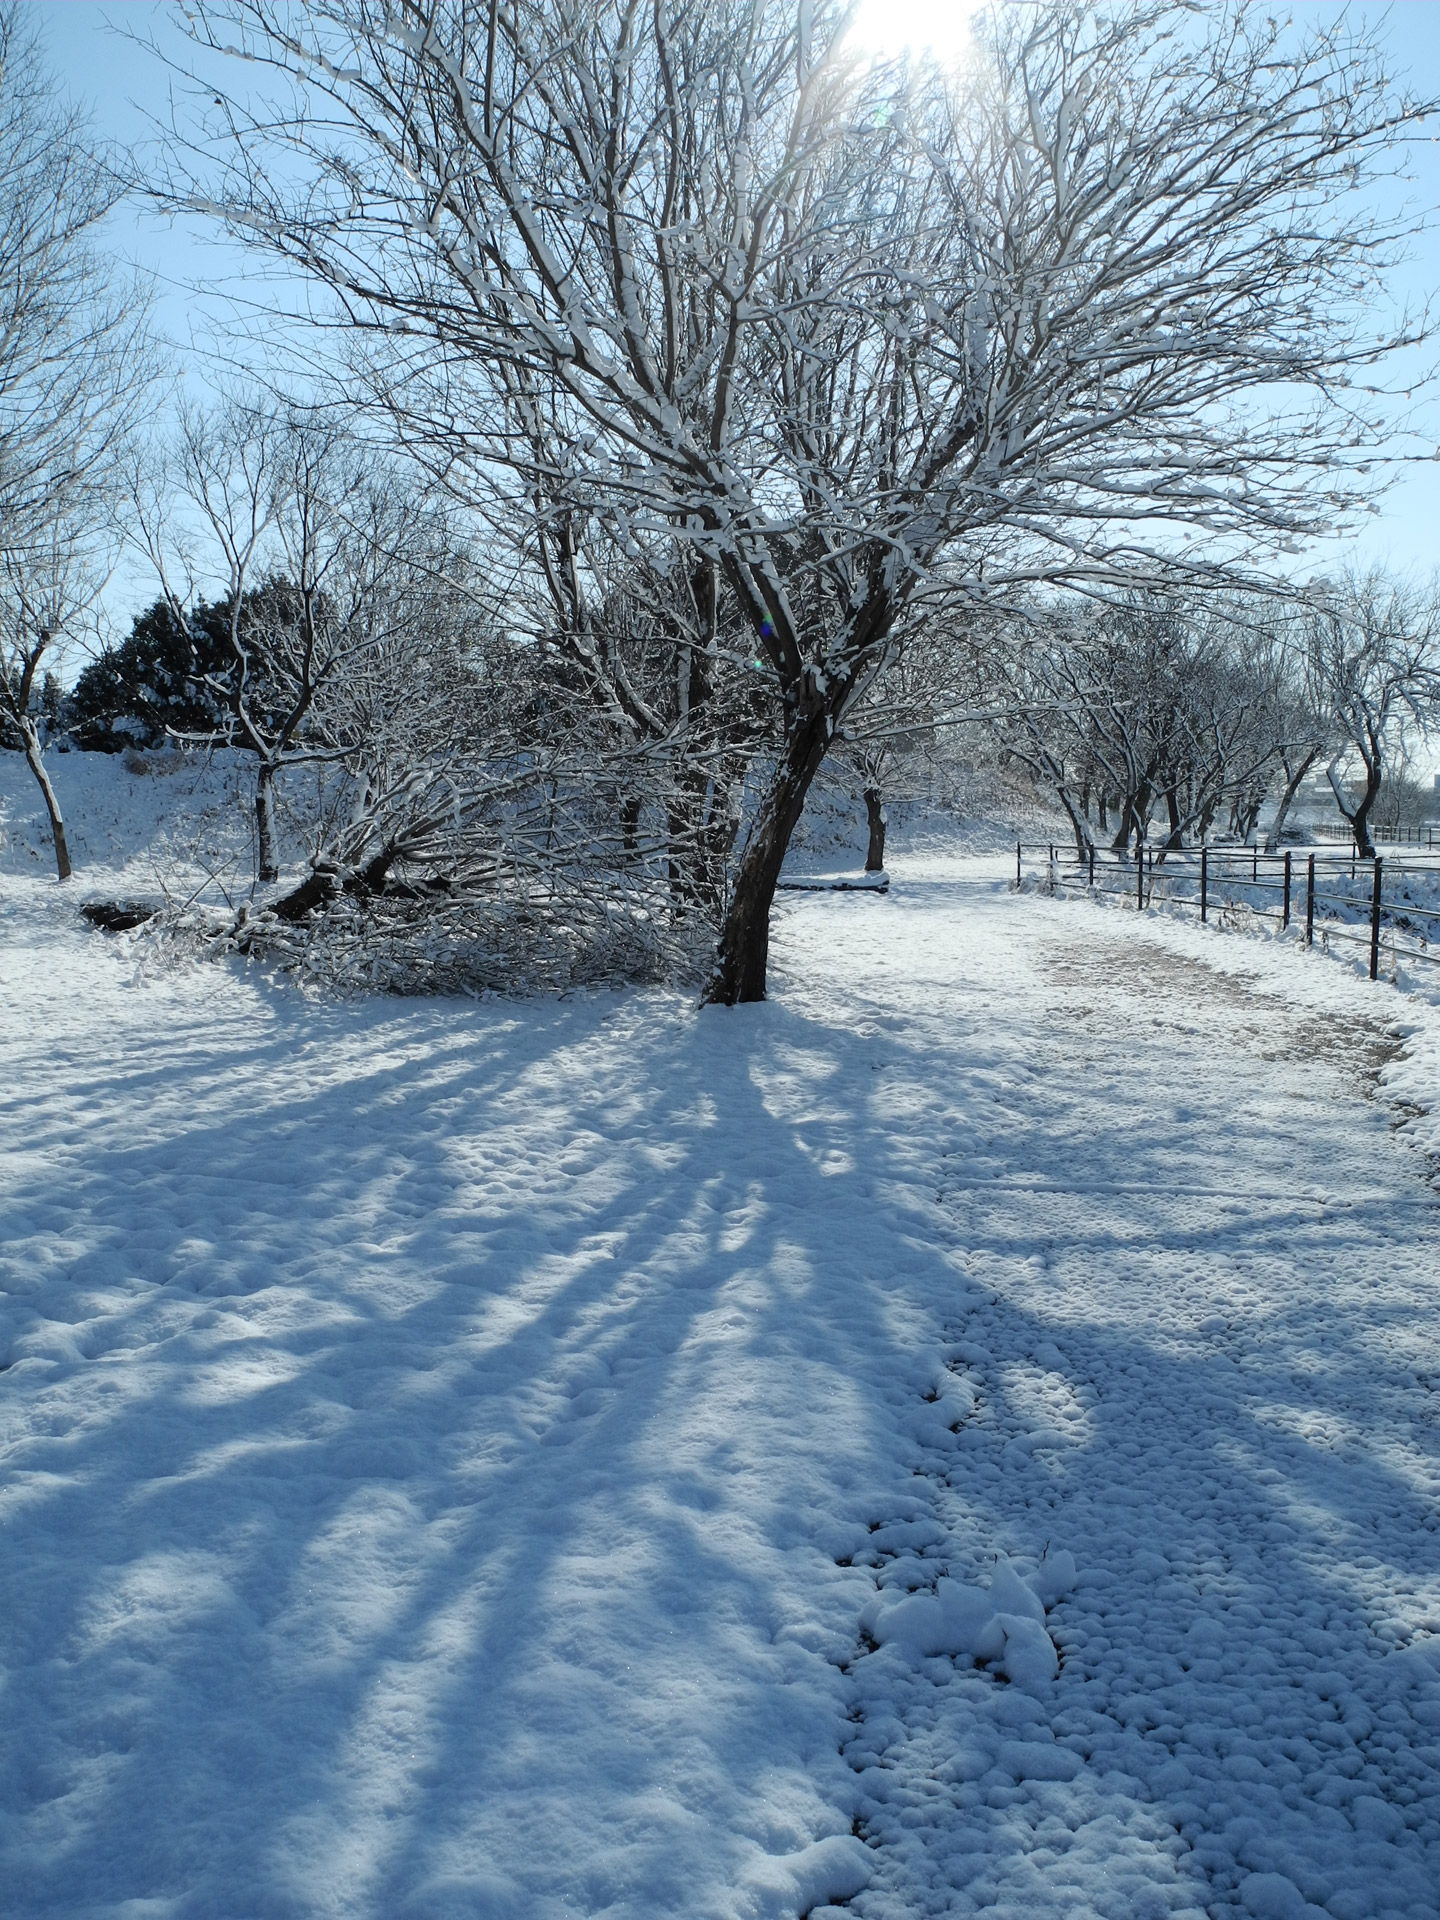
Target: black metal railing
[[1391, 833], [1349, 900]]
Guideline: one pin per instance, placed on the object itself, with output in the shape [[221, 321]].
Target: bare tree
[[1183, 708], [47, 597], [304, 528], [74, 364], [1296, 695], [848, 332], [1375, 653]]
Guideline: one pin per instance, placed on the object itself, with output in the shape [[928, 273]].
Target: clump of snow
[[1004, 1625]]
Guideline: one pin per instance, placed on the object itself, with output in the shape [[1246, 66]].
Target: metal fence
[[1392, 834], [1339, 897]]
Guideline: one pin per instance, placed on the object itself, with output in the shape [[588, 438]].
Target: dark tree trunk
[[1360, 819], [1359, 815], [1079, 823], [743, 954], [265, 822], [36, 764], [1287, 800], [875, 820], [1174, 840], [630, 826], [1129, 818], [316, 890]]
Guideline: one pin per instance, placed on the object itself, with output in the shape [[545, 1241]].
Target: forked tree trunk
[[1359, 815], [1287, 800], [1079, 821], [265, 822], [1175, 838], [875, 820], [36, 765], [1360, 819], [743, 955]]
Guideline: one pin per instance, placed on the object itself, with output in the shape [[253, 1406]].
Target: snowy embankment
[[605, 1458], [149, 824]]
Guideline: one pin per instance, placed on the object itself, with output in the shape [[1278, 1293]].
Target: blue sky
[[120, 83]]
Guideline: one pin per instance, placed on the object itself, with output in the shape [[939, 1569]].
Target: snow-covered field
[[602, 1458]]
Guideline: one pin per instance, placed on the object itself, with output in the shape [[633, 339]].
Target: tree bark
[[875, 820], [265, 822], [630, 827], [743, 955], [1359, 816], [36, 765], [1360, 819], [1287, 800], [1174, 840]]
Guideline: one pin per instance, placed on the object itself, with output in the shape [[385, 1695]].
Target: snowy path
[[449, 1451]]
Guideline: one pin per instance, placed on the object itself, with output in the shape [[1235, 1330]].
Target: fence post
[[1091, 881], [1204, 883], [1017, 863], [1140, 876], [1375, 923], [1310, 901], [1255, 862], [1285, 916]]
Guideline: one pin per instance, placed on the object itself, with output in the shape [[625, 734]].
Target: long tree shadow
[[434, 1464], [393, 1407]]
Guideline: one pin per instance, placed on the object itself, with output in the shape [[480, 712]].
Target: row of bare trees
[[1166, 718], [682, 383]]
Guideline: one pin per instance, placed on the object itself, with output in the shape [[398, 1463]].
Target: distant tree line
[[1165, 718]]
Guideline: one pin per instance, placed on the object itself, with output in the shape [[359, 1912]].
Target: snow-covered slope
[[136, 822], [602, 1458]]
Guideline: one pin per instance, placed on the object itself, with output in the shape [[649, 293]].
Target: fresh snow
[[963, 1436]]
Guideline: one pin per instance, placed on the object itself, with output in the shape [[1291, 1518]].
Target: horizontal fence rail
[[1389, 902], [1394, 835]]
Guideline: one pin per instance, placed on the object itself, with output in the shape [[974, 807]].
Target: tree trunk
[[875, 820], [265, 821], [743, 955], [36, 765], [1079, 822], [1128, 818], [1359, 816], [1287, 800], [1360, 819], [1176, 836]]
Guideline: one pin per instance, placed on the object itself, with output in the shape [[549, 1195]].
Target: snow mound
[[1004, 1625], [833, 1869]]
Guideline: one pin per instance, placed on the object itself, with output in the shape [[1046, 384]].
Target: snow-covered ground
[[602, 1458]]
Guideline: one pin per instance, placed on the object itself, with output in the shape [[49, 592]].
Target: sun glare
[[941, 27]]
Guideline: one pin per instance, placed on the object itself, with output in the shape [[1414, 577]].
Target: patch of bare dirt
[[1360, 1049]]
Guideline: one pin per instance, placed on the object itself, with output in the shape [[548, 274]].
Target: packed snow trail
[[451, 1451]]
